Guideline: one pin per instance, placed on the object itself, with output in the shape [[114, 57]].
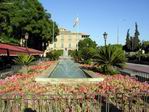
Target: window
[[69, 45], [62, 45], [62, 37], [69, 38], [54, 45]]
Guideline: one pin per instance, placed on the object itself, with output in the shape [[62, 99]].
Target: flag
[[76, 22]]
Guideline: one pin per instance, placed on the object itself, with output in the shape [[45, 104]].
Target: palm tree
[[109, 58]]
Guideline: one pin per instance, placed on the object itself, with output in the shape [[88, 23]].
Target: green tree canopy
[[128, 41], [21, 16], [132, 42], [117, 46], [87, 49], [145, 46], [87, 42]]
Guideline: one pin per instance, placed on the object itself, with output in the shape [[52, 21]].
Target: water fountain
[[66, 68], [65, 52], [66, 71]]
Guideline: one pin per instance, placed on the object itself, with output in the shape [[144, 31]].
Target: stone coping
[[47, 72], [44, 77], [91, 73], [68, 80]]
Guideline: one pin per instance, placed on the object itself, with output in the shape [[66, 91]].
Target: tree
[[110, 57], [145, 46], [87, 54], [117, 46], [87, 42], [136, 41], [87, 49], [128, 42], [132, 42], [21, 16], [136, 30]]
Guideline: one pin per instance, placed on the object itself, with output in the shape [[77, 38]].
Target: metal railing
[[74, 103], [140, 76]]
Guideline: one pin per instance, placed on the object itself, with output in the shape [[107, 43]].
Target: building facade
[[66, 40]]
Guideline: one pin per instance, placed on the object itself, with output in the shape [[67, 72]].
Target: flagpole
[[76, 24], [53, 35], [77, 36]]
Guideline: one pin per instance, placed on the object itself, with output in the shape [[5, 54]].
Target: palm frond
[[109, 57], [24, 59]]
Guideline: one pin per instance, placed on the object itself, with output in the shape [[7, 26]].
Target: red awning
[[14, 50]]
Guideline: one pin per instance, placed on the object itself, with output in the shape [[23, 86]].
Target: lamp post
[[105, 37], [26, 38]]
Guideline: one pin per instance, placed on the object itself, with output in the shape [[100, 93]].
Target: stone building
[[66, 40]]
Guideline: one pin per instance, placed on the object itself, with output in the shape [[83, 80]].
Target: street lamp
[[105, 37], [26, 38]]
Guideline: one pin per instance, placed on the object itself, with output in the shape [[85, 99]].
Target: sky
[[98, 16]]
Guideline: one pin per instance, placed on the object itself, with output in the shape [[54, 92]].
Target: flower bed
[[117, 88], [24, 83]]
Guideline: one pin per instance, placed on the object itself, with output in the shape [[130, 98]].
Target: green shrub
[[55, 54], [109, 58], [138, 57], [106, 70], [75, 54], [24, 59], [87, 61], [71, 52], [145, 57]]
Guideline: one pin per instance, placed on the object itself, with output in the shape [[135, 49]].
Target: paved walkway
[[138, 67]]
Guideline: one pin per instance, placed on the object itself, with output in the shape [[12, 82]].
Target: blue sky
[[99, 16]]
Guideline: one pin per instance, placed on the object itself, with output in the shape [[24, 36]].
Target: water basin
[[67, 68]]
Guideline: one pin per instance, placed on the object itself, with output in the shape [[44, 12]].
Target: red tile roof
[[14, 50]]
